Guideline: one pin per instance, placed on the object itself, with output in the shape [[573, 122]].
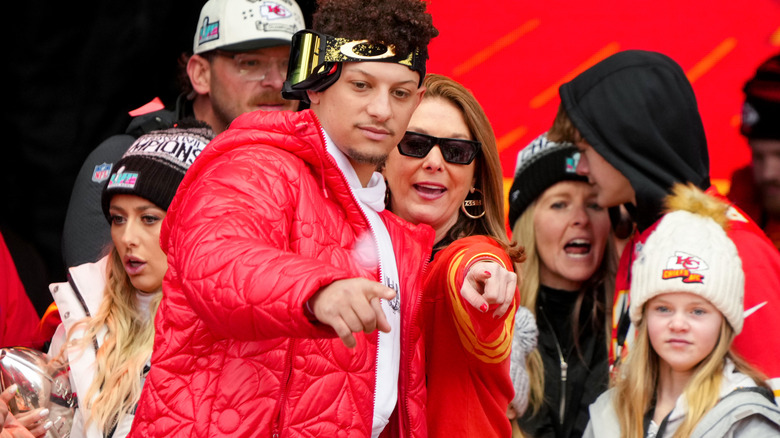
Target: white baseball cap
[[242, 25]]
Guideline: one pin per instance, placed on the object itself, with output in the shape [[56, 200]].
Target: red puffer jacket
[[264, 219]]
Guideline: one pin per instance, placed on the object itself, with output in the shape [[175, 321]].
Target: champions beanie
[[243, 25], [540, 165], [690, 252], [154, 165], [761, 110]]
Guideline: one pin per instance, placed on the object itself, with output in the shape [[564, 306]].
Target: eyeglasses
[[454, 150], [256, 67]]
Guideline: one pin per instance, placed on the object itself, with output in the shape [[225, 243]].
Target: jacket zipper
[[83, 303], [624, 322], [404, 403], [409, 346], [381, 277], [276, 430], [564, 368], [331, 160]]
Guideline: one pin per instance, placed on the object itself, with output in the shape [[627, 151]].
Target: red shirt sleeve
[[19, 320]]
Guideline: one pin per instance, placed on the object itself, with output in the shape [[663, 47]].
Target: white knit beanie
[[688, 252]]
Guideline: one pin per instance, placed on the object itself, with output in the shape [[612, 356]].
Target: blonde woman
[[567, 283], [681, 378], [107, 308]]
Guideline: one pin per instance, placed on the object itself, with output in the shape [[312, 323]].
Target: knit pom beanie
[[689, 251]]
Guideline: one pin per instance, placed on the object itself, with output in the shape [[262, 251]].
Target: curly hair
[[402, 23]]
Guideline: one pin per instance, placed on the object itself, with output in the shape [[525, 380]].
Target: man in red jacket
[[634, 117], [282, 260]]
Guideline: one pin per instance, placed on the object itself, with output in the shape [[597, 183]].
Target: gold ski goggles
[[315, 61]]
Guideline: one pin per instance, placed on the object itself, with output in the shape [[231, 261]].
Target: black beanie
[[761, 110], [540, 165], [154, 166]]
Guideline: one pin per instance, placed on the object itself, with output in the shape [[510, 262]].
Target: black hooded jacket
[[638, 111], [587, 365]]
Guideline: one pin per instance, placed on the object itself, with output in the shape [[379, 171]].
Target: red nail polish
[[483, 308], [488, 273]]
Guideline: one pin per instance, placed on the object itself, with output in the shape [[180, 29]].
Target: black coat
[[638, 111], [587, 373]]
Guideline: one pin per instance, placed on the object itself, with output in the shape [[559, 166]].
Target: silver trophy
[[41, 383]]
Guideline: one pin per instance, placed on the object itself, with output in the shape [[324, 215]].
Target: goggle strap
[[311, 54]]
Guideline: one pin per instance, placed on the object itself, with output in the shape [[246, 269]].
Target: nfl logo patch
[[102, 171], [571, 163]]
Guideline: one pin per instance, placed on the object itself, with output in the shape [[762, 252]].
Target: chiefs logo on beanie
[[689, 251]]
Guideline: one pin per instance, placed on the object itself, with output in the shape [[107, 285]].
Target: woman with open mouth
[[567, 281], [108, 307]]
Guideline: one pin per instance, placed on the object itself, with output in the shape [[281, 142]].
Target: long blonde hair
[[124, 351], [601, 285], [637, 380]]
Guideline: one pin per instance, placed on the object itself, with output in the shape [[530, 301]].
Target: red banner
[[514, 55]]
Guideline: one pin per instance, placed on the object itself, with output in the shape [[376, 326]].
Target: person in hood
[[681, 377], [292, 299], [635, 119]]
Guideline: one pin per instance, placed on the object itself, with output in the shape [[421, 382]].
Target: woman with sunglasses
[[446, 173]]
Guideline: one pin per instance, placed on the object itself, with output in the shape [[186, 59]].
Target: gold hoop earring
[[473, 203]]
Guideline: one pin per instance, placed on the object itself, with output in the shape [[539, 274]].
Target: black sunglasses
[[454, 150]]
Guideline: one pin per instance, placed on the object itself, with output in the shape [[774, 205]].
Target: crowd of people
[[314, 242]]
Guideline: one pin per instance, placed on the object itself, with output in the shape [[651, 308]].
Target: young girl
[[108, 307], [681, 378]]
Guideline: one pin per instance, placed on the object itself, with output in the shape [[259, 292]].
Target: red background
[[513, 55]]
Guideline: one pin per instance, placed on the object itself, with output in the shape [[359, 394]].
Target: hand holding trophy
[[41, 383]]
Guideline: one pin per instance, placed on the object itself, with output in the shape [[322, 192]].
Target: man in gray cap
[[238, 65]]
